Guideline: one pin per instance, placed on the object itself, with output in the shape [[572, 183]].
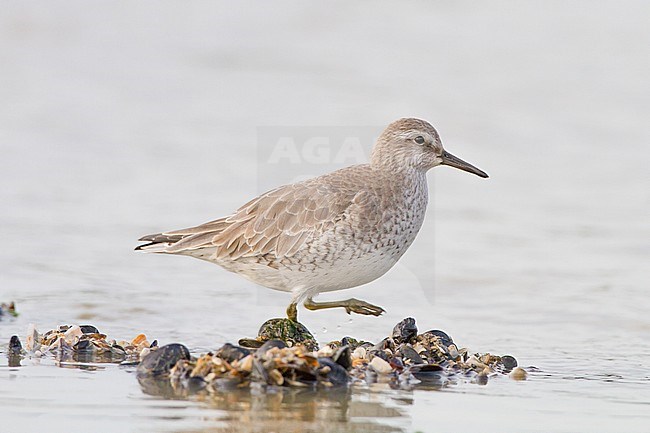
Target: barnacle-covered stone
[[292, 333]]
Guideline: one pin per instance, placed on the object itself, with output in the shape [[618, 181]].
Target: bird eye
[[419, 139]]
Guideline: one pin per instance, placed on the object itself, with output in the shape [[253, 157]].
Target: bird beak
[[453, 161]]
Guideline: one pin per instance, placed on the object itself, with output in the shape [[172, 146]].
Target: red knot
[[333, 232]]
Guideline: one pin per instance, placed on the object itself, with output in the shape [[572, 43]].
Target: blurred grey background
[[123, 118]]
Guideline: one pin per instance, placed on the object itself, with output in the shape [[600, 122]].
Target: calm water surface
[[120, 120]]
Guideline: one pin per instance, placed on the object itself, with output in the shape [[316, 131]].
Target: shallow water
[[120, 120]]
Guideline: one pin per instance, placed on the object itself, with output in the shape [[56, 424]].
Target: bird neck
[[410, 179]]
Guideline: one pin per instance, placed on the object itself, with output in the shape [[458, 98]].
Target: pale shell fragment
[[518, 374], [418, 348], [33, 340], [359, 353], [73, 334], [276, 377], [380, 366]]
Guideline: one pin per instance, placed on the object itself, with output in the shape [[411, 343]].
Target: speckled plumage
[[336, 231]]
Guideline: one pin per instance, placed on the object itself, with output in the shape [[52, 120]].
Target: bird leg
[[351, 306], [292, 311]]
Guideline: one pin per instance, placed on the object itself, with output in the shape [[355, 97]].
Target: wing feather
[[278, 222]]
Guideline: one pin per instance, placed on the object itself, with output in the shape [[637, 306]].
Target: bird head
[[415, 144]]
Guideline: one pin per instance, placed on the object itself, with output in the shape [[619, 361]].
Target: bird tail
[[158, 243]]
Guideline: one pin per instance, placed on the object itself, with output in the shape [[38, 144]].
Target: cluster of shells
[[405, 359], [284, 354], [82, 343]]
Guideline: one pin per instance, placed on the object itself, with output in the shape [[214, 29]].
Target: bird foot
[[362, 307]]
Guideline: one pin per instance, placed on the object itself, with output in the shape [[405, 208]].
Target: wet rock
[[161, 361], [404, 331], [292, 333]]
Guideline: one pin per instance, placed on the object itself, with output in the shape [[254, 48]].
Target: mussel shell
[[229, 352], [250, 343], [378, 353], [161, 360], [15, 347], [89, 329], [445, 339], [408, 353], [386, 343], [269, 345], [343, 357], [337, 375], [404, 331], [508, 362], [196, 383], [428, 373]]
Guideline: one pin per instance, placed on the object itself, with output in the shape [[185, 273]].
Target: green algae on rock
[[291, 332]]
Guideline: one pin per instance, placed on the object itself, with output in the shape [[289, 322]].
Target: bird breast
[[373, 234]]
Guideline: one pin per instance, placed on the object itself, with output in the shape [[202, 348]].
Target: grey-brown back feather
[[278, 222]]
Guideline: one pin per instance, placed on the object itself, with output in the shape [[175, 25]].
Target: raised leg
[[351, 306], [292, 311]]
